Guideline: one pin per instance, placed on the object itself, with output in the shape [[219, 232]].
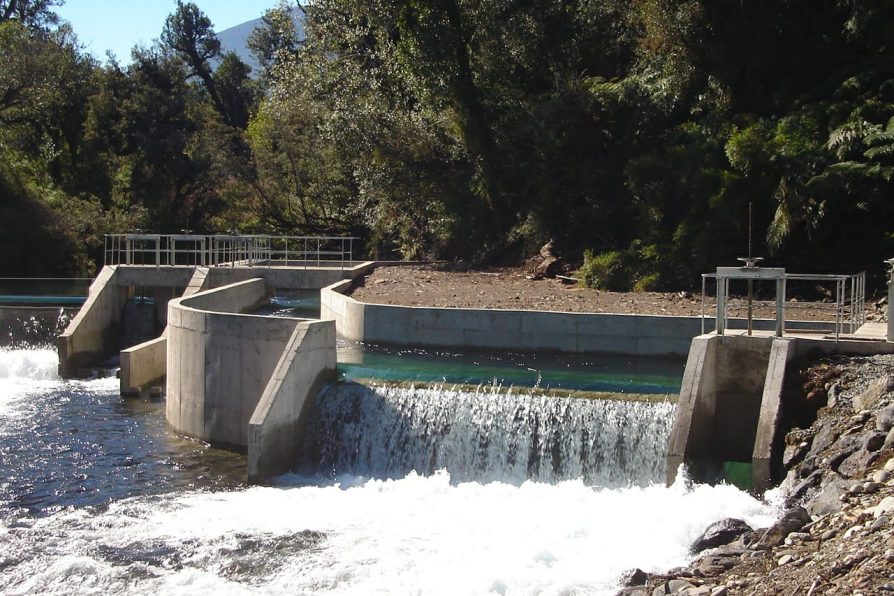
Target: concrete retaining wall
[[732, 401], [143, 365], [768, 436], [94, 330], [292, 278], [276, 426]]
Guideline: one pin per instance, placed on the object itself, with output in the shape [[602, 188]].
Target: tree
[[277, 37], [34, 14], [190, 35]]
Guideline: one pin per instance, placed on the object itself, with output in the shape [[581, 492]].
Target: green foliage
[[624, 270], [637, 134]]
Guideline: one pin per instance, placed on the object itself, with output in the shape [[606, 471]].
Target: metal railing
[[844, 303], [227, 250]]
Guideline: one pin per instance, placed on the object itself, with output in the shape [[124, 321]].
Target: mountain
[[235, 39]]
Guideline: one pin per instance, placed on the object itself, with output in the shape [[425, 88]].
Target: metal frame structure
[[228, 250], [848, 310]]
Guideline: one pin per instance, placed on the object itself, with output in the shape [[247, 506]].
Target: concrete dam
[[251, 382]]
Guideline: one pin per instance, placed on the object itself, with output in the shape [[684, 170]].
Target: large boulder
[[719, 533], [791, 521]]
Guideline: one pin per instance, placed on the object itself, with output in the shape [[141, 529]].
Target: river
[[402, 490]]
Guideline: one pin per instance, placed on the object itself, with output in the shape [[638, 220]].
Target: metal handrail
[[228, 250], [849, 306]]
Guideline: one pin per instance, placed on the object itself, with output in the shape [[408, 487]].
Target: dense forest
[[635, 134]]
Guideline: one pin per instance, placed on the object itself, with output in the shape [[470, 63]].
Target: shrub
[[605, 271]]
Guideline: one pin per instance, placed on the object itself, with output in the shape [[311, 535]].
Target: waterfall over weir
[[486, 434]]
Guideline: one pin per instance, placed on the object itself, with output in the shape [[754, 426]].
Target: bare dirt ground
[[513, 289]]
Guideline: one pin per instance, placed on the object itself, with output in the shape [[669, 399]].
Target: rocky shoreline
[[836, 535]]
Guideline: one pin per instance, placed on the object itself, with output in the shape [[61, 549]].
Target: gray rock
[[854, 466], [803, 488], [794, 454], [879, 523], [675, 586], [823, 439], [884, 419], [873, 441], [881, 476], [791, 521], [713, 565], [832, 395], [633, 577], [886, 506], [828, 499], [889, 440], [720, 590], [843, 448], [719, 533], [635, 591], [876, 391]]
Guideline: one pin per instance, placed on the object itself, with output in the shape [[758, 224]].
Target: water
[[98, 496], [302, 304], [612, 374]]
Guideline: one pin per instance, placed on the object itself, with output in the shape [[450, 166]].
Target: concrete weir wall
[[143, 365], [222, 364], [638, 335], [276, 426]]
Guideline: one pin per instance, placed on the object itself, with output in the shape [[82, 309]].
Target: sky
[[118, 25]]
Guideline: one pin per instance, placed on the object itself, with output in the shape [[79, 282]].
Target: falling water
[[487, 434]]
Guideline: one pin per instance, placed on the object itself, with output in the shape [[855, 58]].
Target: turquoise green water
[[547, 371]]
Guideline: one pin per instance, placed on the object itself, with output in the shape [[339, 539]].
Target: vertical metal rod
[[703, 303]]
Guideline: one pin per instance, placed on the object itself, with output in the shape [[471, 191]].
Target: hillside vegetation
[[636, 133]]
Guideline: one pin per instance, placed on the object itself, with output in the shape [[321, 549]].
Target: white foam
[[417, 535], [28, 365]]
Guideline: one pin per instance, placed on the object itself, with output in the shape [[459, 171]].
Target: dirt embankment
[[514, 289]]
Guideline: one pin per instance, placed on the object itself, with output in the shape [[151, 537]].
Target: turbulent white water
[[27, 366], [416, 535], [22, 372], [90, 505]]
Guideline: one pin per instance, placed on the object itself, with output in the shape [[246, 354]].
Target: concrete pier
[[734, 398]]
